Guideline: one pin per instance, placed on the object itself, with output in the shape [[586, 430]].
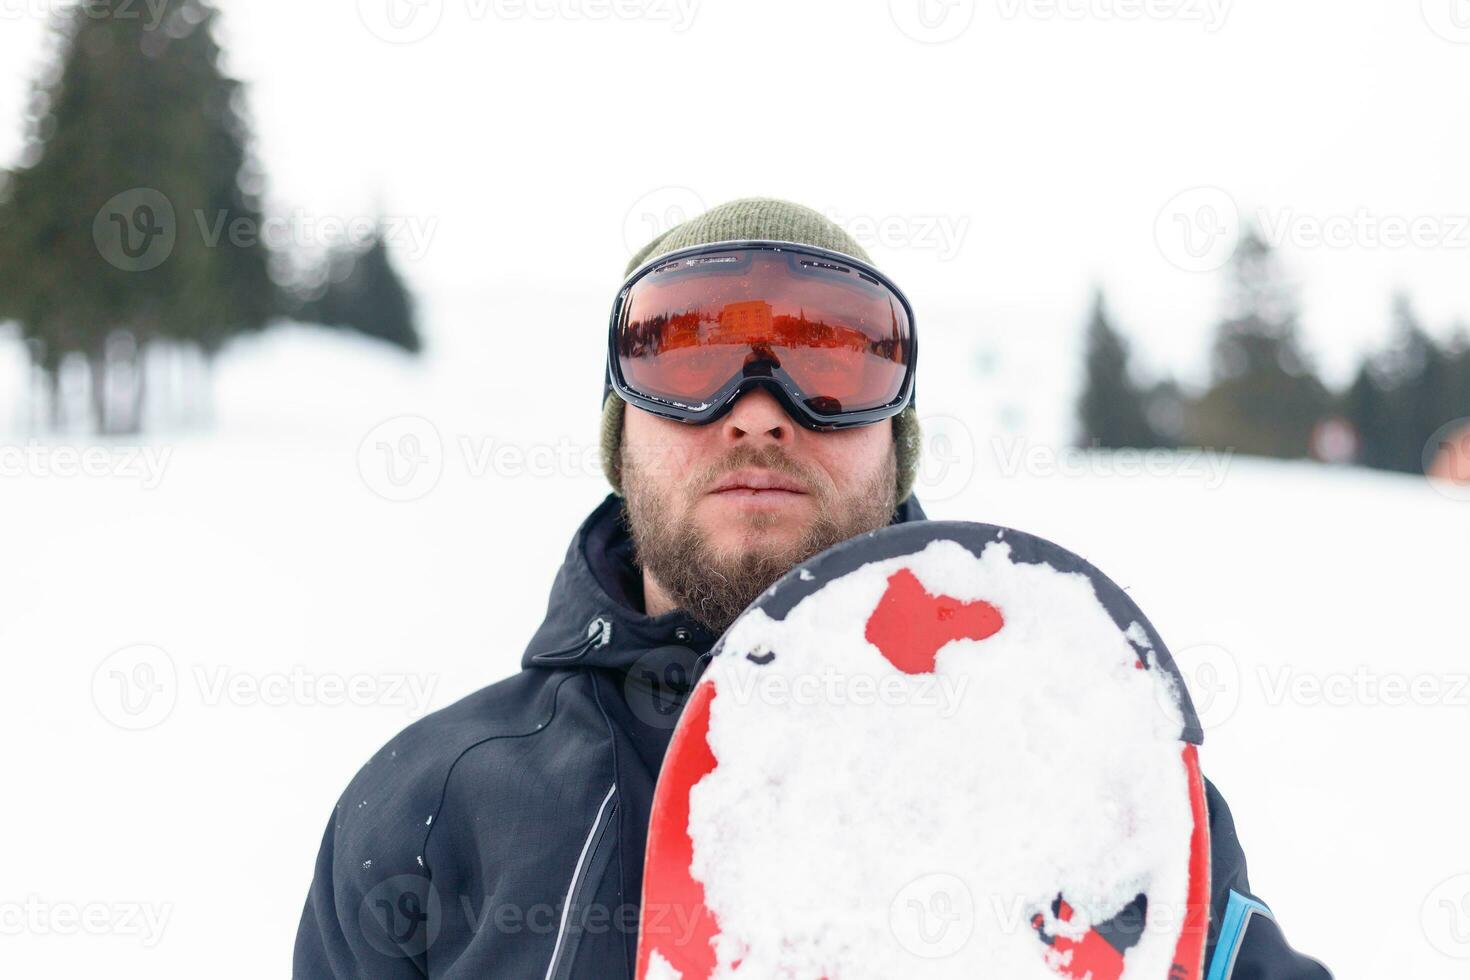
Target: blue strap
[[1238, 911]]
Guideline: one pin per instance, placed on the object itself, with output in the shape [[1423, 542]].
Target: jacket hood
[[594, 616]]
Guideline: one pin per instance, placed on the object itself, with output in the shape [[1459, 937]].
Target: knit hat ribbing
[[756, 219]]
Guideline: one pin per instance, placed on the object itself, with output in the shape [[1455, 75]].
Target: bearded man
[[758, 407]]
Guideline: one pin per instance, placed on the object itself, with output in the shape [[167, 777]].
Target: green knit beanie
[[756, 219]]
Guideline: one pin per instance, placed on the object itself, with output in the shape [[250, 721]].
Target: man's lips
[[756, 482]]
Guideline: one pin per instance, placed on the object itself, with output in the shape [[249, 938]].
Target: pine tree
[[1264, 398], [136, 152], [1111, 411], [364, 293]]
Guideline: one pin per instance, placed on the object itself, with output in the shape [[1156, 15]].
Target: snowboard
[[940, 749]]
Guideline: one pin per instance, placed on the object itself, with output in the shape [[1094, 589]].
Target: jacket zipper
[[562, 951]]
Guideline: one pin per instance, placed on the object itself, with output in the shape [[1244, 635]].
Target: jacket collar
[[594, 616]]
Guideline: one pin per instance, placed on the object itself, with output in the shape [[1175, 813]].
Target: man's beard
[[715, 586]]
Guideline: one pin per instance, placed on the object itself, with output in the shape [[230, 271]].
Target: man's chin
[[737, 524]]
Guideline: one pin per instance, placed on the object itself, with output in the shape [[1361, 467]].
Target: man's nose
[[756, 419]]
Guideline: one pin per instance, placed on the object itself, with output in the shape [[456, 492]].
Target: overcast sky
[[998, 156]]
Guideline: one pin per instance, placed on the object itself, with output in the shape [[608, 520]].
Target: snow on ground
[[204, 637]]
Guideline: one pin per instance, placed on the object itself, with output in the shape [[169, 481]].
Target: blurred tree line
[[1264, 396], [133, 220]]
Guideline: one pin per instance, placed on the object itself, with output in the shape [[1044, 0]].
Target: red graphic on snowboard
[[910, 625]]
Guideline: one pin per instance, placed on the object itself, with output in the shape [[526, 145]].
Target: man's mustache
[[770, 458]]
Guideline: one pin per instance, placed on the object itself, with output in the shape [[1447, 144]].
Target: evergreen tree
[[131, 217], [364, 293], [1112, 409], [1421, 387], [1365, 406], [1264, 398]]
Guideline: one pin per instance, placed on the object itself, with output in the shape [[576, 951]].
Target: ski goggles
[[830, 337]]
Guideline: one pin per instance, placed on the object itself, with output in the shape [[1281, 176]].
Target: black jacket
[[503, 836]]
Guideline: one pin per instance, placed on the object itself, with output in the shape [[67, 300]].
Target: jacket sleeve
[[358, 921], [1245, 942]]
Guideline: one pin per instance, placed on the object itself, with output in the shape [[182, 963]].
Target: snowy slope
[[293, 615]]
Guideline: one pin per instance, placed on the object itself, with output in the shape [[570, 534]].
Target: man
[[503, 837]]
